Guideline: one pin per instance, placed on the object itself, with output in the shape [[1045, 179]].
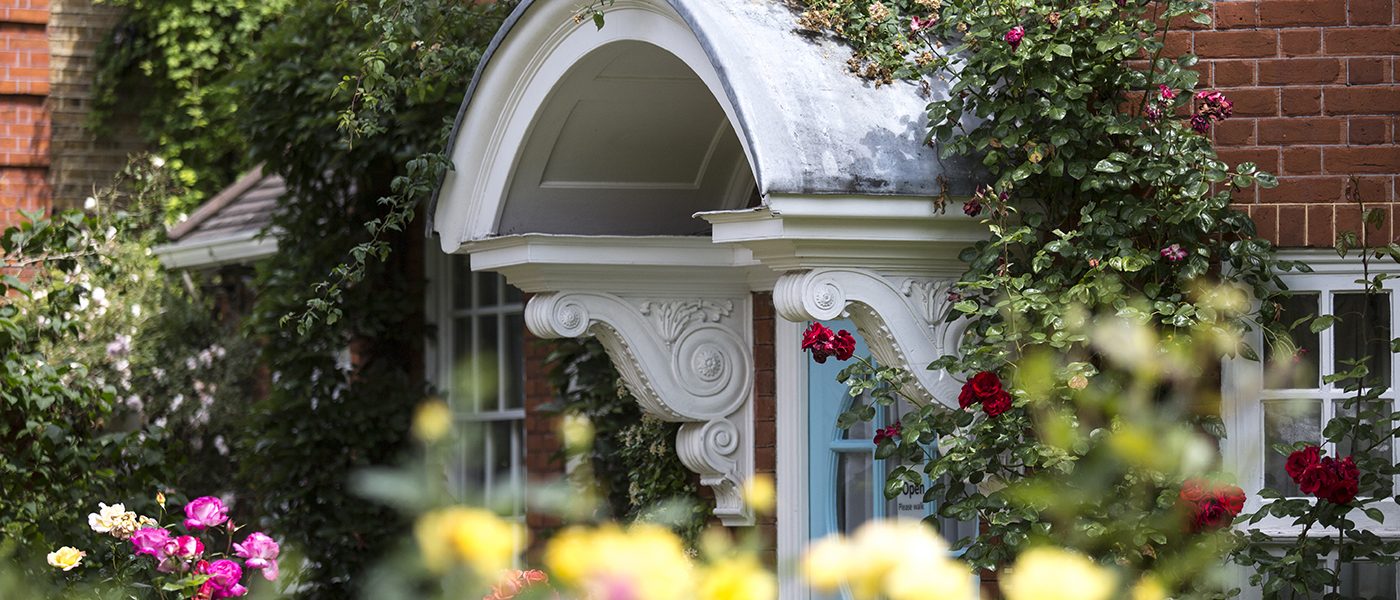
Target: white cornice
[[896, 235], [682, 265]]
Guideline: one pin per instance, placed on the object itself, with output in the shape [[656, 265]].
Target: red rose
[[1211, 514], [985, 388], [1209, 506], [1338, 480], [1317, 478], [1192, 491], [1300, 460], [1232, 498], [844, 345], [887, 433], [997, 404], [824, 344]]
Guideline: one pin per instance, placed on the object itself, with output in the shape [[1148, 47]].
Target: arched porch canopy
[[643, 179]]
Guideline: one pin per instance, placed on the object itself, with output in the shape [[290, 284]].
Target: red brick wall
[[24, 120], [1316, 101], [765, 412], [542, 441]]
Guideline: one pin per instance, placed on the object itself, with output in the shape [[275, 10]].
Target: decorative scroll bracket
[[686, 360], [902, 318]]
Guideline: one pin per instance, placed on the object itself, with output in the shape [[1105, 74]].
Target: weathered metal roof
[[244, 208], [812, 126]]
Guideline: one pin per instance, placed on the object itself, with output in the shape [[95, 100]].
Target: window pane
[[1368, 581], [514, 362], [501, 438], [1382, 450], [855, 479], [486, 286], [1363, 332], [1288, 422], [513, 294], [487, 356], [461, 282], [1293, 362], [464, 391]]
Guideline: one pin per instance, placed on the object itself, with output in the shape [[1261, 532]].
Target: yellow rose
[[935, 577], [66, 558], [643, 561], [432, 421], [1047, 573], [473, 536], [759, 494], [1149, 588], [577, 432], [738, 578], [827, 562]]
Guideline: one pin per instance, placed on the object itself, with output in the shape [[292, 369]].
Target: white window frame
[[443, 270], [1244, 395]]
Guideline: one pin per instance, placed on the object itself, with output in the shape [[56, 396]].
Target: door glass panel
[[909, 504], [1288, 422], [1293, 362], [855, 477], [1363, 331], [860, 430], [1368, 581]]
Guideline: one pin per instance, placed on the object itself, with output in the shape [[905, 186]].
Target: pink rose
[[259, 551], [179, 552], [205, 511], [224, 575], [150, 541]]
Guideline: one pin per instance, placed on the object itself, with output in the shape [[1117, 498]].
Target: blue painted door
[[845, 480]]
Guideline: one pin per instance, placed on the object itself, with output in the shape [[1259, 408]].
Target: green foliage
[[342, 391], [1095, 181], [178, 57], [401, 102], [633, 460], [70, 417]]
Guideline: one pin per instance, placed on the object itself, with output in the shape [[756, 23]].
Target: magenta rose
[[224, 576], [205, 511], [259, 551], [150, 541], [1014, 36]]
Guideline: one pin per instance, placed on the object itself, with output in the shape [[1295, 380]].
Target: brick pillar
[[1317, 98], [765, 430], [24, 119], [542, 441]]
